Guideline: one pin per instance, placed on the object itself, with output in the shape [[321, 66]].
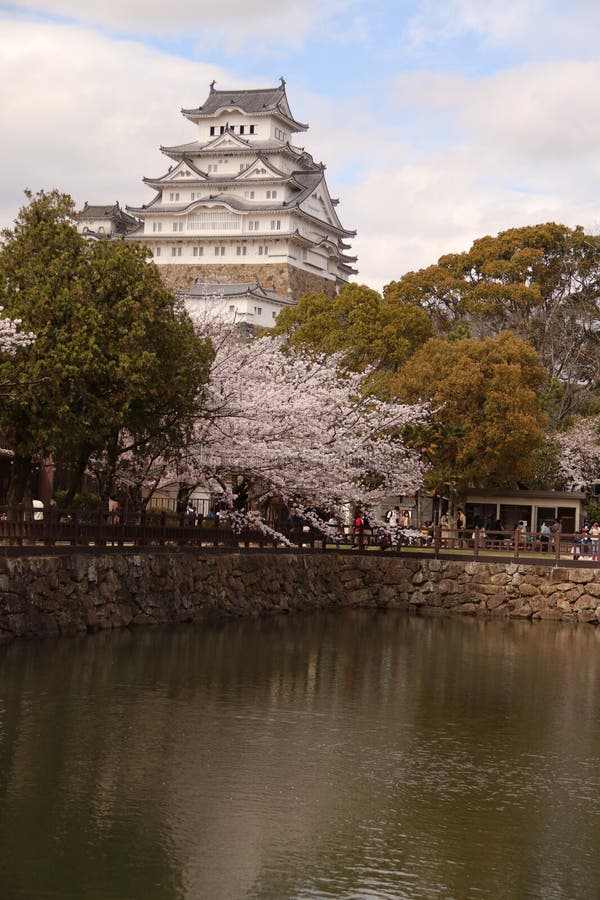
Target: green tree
[[359, 323], [487, 422], [113, 354], [541, 282]]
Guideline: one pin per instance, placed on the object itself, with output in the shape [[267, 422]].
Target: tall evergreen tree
[[113, 352]]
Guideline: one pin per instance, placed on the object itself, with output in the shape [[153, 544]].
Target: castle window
[[157, 251], [249, 195], [212, 167], [253, 225], [214, 221], [212, 130], [198, 251], [258, 310], [271, 195], [241, 251], [174, 196], [177, 226], [222, 129], [242, 129], [175, 251], [275, 224], [219, 251], [263, 250], [157, 226], [251, 127], [232, 309]]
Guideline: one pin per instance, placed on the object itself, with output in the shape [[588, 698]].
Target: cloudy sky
[[439, 120]]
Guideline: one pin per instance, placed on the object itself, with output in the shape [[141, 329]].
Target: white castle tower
[[242, 203]]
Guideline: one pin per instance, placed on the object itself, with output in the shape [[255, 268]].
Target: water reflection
[[354, 754]]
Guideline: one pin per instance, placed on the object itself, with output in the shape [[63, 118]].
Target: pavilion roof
[[230, 290], [256, 102]]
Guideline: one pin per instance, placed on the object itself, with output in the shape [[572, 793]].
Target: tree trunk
[[112, 458], [76, 478], [20, 479]]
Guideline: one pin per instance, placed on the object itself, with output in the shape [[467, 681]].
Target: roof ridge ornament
[[283, 81], [212, 86]]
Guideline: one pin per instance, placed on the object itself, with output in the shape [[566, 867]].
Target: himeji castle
[[242, 203]]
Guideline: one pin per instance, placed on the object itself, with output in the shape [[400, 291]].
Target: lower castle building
[[239, 204]]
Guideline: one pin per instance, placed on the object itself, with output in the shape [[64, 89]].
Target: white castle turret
[[242, 203]]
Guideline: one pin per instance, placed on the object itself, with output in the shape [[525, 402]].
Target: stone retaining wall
[[288, 281], [67, 593]]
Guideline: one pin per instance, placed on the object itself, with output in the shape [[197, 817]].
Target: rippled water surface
[[346, 755]]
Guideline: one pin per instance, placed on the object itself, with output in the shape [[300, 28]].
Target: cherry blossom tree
[[579, 453], [11, 336], [297, 428]]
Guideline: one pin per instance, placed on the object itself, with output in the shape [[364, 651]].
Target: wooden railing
[[23, 526], [26, 527]]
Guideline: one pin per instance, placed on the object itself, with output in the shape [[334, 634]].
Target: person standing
[[447, 524], [521, 533], [359, 526], [595, 538], [545, 536], [461, 524], [556, 529]]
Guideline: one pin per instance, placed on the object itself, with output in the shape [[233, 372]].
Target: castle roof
[[123, 222], [194, 148], [229, 290], [256, 102]]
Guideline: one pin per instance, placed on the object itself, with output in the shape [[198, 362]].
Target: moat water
[[344, 755]]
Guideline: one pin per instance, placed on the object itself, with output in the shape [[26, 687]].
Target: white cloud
[[517, 148], [287, 23], [538, 28], [538, 113], [86, 114]]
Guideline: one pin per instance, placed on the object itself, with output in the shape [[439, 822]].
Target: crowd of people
[[585, 544]]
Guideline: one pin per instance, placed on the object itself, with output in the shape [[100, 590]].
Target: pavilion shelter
[[531, 507]]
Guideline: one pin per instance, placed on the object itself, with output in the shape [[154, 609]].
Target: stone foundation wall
[[274, 276], [76, 592]]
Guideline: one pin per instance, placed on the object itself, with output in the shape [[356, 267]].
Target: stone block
[[586, 615], [586, 601], [447, 586], [528, 590], [553, 614], [519, 610], [581, 576], [501, 578], [563, 606], [465, 608]]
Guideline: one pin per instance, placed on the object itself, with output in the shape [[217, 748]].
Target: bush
[[592, 511], [86, 500]]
